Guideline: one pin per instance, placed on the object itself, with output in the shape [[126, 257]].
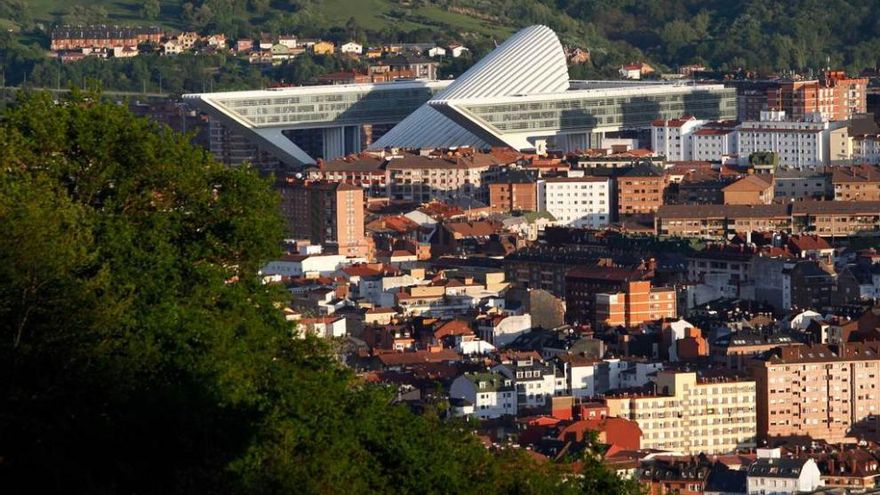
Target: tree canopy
[[140, 354]]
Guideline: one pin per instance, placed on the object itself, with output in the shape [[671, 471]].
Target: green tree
[[141, 354], [150, 9]]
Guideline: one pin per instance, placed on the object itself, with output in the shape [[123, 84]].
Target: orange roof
[[453, 327], [749, 183]]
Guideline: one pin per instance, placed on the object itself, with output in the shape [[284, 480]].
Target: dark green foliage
[[139, 354]]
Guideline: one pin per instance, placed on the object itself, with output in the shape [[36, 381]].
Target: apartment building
[[640, 190], [637, 303], [692, 415], [801, 184], [835, 218], [713, 144], [823, 218], [799, 143], [818, 391], [583, 283], [672, 138], [583, 202], [363, 171], [834, 96], [514, 191], [717, 221], [445, 178], [856, 183], [327, 213]]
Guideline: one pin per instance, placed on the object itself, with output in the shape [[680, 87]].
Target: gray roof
[[777, 468]]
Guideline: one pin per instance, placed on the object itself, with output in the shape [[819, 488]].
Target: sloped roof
[[749, 183]]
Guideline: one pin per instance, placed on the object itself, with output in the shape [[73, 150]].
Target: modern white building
[[519, 95], [491, 394], [711, 144], [798, 144], [583, 202], [672, 138]]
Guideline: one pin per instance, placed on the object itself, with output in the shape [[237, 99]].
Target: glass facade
[[338, 108], [591, 112]]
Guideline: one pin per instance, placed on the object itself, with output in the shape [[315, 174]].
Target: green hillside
[[767, 37], [755, 34]]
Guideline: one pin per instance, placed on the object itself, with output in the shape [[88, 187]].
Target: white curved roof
[[530, 62], [427, 124]]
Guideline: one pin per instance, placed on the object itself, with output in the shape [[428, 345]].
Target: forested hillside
[[758, 35]]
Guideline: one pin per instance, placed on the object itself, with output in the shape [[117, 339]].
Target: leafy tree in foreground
[[138, 353]]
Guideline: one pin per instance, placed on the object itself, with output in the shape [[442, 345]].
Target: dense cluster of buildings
[[73, 43], [687, 274]]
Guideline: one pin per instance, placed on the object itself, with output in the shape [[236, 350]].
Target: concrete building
[[799, 144], [692, 415], [326, 213], [673, 138], [714, 144], [583, 202], [817, 391], [801, 184]]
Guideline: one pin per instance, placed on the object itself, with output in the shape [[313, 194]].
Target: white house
[[327, 327], [299, 265], [580, 374], [491, 394], [437, 51], [582, 202], [457, 50], [286, 40], [535, 381], [778, 476], [172, 47], [501, 330], [352, 47]]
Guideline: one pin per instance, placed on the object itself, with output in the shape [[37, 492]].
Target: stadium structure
[[518, 96]]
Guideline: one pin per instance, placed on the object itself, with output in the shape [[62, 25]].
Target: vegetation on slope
[[140, 354]]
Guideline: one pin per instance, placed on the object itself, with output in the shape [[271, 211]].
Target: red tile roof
[[417, 357]]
